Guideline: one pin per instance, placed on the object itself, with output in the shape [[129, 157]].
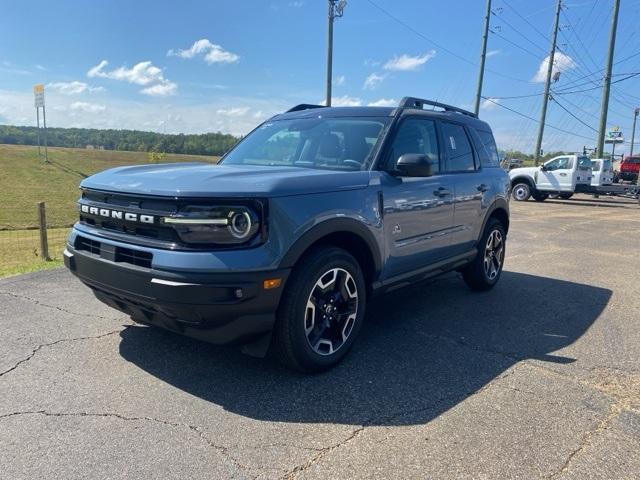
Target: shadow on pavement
[[423, 350]]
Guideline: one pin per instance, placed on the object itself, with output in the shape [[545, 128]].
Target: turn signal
[[271, 283]]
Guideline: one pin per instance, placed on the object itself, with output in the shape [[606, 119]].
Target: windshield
[[325, 143]]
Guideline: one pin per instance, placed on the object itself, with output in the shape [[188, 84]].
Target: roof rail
[[411, 102], [304, 106]]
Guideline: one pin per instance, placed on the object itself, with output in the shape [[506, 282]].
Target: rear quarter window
[[486, 147]]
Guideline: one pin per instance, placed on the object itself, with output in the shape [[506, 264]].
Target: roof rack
[[411, 102], [304, 106]]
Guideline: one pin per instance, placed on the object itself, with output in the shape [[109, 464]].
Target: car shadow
[[423, 350]]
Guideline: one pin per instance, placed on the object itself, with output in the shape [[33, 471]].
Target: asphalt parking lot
[[539, 378]]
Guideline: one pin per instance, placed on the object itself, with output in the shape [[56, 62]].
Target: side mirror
[[414, 165], [543, 168]]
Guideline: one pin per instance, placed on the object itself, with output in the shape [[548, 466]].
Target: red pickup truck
[[629, 168]]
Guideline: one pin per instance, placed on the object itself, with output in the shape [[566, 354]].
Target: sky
[[204, 66]]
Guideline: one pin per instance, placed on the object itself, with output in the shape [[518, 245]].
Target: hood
[[530, 171], [210, 180]]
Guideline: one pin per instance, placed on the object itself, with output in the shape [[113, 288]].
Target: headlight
[[220, 225]]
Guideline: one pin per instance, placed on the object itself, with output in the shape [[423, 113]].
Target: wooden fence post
[[42, 221]]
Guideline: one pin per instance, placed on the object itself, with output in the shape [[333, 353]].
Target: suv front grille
[[134, 257], [114, 254], [88, 245]]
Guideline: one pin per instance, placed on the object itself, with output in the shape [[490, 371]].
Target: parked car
[[601, 172], [512, 163], [562, 176], [629, 169], [311, 214]]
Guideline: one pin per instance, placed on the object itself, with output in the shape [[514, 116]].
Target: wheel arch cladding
[[348, 234]]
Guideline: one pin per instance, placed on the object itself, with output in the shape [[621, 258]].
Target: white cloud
[[339, 80], [296, 4], [40, 67], [561, 63], [489, 103], [16, 108], [384, 102], [408, 63], [344, 101], [161, 89], [142, 73], [233, 112], [373, 80], [87, 107], [491, 53], [73, 88], [212, 53]]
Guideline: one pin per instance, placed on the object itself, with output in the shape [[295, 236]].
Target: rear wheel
[[566, 196], [321, 312], [485, 270], [540, 197], [521, 191]]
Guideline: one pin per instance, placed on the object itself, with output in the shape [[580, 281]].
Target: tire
[[325, 281], [521, 192], [480, 275], [566, 196], [540, 197]]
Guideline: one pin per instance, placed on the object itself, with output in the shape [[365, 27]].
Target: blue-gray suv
[[283, 242]]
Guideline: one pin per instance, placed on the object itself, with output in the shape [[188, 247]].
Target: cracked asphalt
[[539, 378]]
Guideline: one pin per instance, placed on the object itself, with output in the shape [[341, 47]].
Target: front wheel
[[321, 312], [521, 192], [485, 270]]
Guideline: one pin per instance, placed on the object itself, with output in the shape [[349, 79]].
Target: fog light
[[271, 283]]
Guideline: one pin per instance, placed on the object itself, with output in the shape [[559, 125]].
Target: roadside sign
[[614, 136], [38, 92]]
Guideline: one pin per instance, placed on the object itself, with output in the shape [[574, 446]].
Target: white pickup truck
[[562, 176]]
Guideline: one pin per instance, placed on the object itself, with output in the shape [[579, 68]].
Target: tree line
[[130, 140]]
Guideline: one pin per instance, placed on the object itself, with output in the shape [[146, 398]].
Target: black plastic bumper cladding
[[206, 306]]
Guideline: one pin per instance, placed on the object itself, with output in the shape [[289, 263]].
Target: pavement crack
[[614, 411], [55, 307], [193, 428], [50, 344], [322, 453]]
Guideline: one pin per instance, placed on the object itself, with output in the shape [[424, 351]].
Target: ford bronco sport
[[281, 244]]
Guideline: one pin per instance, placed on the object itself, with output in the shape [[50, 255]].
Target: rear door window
[[486, 148], [460, 154]]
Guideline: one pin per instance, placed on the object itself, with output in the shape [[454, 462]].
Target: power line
[[534, 120], [515, 44], [440, 46], [570, 113]]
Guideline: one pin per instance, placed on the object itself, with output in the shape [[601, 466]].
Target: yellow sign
[[39, 88]]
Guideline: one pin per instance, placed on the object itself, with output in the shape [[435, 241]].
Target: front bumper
[[219, 308]]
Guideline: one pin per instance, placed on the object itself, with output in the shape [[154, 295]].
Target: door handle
[[563, 174], [482, 187], [441, 192]]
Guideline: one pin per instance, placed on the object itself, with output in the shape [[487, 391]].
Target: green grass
[[20, 250], [25, 181]]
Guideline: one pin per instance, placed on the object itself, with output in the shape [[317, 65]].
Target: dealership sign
[[614, 136]]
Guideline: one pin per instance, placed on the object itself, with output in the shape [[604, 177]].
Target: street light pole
[[633, 131], [336, 9]]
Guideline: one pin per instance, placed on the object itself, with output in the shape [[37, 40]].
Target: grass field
[[25, 181]]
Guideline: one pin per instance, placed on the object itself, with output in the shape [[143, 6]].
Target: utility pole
[[547, 83], [483, 56], [607, 78], [633, 132], [336, 10]]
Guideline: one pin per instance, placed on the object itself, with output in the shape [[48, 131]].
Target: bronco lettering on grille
[[117, 214]]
